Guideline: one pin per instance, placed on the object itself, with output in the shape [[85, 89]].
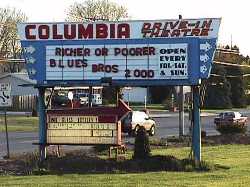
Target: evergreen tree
[[160, 93], [218, 94], [142, 147], [235, 78]]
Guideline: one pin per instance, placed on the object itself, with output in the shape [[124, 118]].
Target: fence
[[24, 103]]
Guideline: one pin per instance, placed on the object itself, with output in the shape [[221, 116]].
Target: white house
[[23, 97]]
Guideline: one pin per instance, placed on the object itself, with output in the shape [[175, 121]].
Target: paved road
[[167, 126]]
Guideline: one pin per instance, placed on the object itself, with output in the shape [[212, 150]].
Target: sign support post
[[6, 133], [42, 124], [181, 112], [196, 128]]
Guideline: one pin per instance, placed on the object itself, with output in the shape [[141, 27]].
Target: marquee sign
[[177, 52], [83, 129], [97, 125], [124, 62]]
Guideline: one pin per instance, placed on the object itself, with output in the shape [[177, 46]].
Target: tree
[[159, 94], [238, 96], [218, 94], [9, 44], [142, 147], [95, 10]]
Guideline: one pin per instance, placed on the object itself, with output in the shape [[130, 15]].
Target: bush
[[231, 128], [101, 148], [168, 104], [142, 147]]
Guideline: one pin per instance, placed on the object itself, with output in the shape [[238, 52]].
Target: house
[[24, 98], [135, 94], [140, 94]]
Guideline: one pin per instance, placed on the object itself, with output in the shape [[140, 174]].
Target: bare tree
[[96, 10], [9, 43]]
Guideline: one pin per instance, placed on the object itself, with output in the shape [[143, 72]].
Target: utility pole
[[6, 133], [181, 106]]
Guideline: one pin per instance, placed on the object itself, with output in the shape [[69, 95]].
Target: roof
[[22, 76]]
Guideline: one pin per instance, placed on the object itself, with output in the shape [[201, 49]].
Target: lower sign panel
[[82, 140], [72, 130]]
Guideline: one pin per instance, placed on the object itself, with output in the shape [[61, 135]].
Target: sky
[[235, 24]]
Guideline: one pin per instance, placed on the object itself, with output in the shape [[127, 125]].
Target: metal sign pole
[[42, 124], [181, 112], [6, 133], [196, 128]]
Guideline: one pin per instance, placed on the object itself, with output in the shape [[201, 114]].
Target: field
[[19, 123], [234, 158]]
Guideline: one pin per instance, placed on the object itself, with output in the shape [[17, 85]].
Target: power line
[[12, 60], [231, 64]]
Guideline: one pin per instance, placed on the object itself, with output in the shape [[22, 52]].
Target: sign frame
[[196, 33], [193, 62], [86, 133]]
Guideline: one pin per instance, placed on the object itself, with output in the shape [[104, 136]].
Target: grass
[[235, 157], [149, 106], [19, 123]]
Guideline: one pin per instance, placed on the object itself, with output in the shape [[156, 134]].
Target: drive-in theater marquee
[[156, 52]]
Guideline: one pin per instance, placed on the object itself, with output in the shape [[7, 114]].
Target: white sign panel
[[82, 130], [129, 62], [202, 28], [5, 98]]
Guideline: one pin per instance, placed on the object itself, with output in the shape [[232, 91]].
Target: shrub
[[142, 147], [101, 148], [231, 128], [167, 103]]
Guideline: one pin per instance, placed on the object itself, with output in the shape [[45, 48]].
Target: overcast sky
[[235, 23]]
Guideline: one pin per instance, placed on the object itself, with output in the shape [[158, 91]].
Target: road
[[166, 126]]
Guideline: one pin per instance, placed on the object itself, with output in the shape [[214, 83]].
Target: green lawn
[[236, 157], [19, 123]]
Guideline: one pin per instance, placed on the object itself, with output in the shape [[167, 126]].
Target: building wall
[[135, 94], [23, 98], [17, 90]]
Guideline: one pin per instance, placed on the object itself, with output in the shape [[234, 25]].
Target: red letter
[[85, 33], [55, 34], [41, 29], [28, 32], [156, 30], [123, 30], [146, 29], [72, 33], [183, 25], [101, 31], [206, 24], [112, 30]]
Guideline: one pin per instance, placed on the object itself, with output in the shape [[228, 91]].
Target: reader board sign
[[155, 52], [135, 61], [83, 129]]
